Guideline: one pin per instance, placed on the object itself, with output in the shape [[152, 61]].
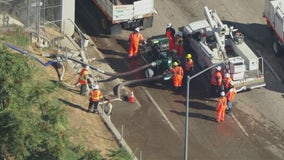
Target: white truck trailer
[[213, 42], [125, 14], [274, 15]]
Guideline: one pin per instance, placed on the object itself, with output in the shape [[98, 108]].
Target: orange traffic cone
[[131, 99]]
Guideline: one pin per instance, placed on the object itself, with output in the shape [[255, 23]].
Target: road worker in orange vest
[[170, 33], [216, 82], [221, 107], [95, 96], [188, 64], [178, 75], [179, 44], [226, 82], [230, 96], [135, 38], [83, 80]]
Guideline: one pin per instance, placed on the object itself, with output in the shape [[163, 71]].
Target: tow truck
[[214, 42], [274, 15]]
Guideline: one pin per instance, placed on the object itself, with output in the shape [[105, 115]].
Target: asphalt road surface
[[155, 130]]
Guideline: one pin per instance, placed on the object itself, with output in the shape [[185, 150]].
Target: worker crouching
[[230, 95], [95, 96]]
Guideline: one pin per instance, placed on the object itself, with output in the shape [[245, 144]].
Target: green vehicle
[[158, 51]]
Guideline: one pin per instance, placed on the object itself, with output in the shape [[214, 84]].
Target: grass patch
[[16, 35]]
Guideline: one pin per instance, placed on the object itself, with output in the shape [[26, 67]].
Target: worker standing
[[178, 75], [179, 44], [221, 107], [95, 96], [170, 33], [230, 96], [216, 82], [226, 82], [83, 80], [135, 38], [188, 65]]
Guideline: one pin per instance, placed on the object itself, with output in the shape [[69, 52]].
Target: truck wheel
[[105, 25], [149, 73], [208, 75], [276, 48]]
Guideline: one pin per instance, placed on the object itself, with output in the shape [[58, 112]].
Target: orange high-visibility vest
[[178, 76], [83, 76], [188, 64], [95, 95], [135, 39], [216, 79], [231, 94], [227, 82]]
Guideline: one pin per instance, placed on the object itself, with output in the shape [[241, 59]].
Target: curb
[[107, 119]]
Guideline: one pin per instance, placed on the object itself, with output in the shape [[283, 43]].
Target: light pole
[[187, 105]]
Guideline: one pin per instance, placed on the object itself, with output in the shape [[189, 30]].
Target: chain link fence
[[30, 13], [39, 17]]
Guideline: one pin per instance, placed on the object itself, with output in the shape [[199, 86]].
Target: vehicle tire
[[149, 73], [276, 48], [208, 75], [105, 25]]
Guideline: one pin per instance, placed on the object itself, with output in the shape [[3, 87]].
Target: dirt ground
[[85, 129]]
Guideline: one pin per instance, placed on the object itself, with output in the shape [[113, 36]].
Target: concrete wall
[[68, 15]]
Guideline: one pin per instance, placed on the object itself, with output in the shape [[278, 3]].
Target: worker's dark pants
[[83, 90], [93, 103]]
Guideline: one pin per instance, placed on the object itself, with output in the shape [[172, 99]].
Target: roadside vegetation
[[33, 123]]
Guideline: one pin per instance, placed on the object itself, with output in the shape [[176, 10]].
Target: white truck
[[125, 14], [274, 15], [213, 42]]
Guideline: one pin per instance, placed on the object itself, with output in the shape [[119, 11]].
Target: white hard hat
[[227, 75], [169, 25], [179, 33], [137, 29], [95, 86], [218, 68], [87, 67], [222, 93]]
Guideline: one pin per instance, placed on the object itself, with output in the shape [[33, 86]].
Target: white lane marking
[[240, 125], [269, 66], [160, 110]]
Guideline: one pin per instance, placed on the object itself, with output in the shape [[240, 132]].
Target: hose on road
[[136, 81]]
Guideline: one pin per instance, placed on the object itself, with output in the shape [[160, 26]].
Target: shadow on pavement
[[195, 115]]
